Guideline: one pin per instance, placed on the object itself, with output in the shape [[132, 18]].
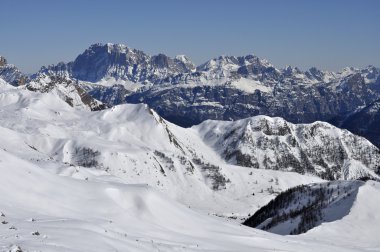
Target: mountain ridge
[[223, 88]]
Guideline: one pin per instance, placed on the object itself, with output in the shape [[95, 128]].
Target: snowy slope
[[79, 180], [65, 89], [356, 229], [340, 212], [11, 74], [135, 144], [273, 143], [64, 214], [304, 207]]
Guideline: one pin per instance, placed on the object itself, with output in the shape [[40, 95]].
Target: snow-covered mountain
[[223, 88], [115, 63], [132, 143], [273, 143], [11, 73], [66, 89], [304, 207], [124, 178], [273, 92]]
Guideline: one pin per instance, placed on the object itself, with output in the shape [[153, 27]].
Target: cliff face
[[3, 61], [189, 105], [11, 74], [273, 143]]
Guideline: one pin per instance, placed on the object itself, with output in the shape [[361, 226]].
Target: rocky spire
[[3, 61]]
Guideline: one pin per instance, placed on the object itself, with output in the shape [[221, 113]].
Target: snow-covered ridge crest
[[224, 88], [302, 208], [273, 143], [11, 74], [65, 89]]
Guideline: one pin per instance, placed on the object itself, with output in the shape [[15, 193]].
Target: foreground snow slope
[[45, 212], [360, 228]]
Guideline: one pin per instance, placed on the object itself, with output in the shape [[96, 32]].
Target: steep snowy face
[[299, 209], [219, 68], [225, 69], [186, 61], [11, 73], [64, 88], [61, 70], [371, 74], [273, 143], [3, 84]]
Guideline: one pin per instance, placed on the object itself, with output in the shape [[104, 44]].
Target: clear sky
[[328, 34]]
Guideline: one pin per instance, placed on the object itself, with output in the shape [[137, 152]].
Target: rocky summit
[[223, 88]]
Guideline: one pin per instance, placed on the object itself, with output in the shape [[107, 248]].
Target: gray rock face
[[365, 122], [11, 74], [123, 63], [187, 106], [3, 61], [66, 89], [272, 143]]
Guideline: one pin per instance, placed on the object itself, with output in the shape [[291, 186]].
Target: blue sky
[[329, 34]]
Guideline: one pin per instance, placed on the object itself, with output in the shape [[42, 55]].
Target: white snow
[[250, 86], [125, 202]]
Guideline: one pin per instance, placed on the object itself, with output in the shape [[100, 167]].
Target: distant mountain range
[[74, 159], [224, 88]]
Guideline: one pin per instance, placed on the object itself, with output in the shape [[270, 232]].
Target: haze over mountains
[[137, 177]]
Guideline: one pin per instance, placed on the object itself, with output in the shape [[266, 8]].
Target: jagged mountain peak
[[253, 59], [232, 67], [220, 63], [119, 62], [289, 70], [183, 58], [3, 61], [11, 74], [346, 71], [111, 47], [64, 88], [227, 62]]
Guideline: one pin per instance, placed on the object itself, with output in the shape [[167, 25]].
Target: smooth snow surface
[[250, 86]]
